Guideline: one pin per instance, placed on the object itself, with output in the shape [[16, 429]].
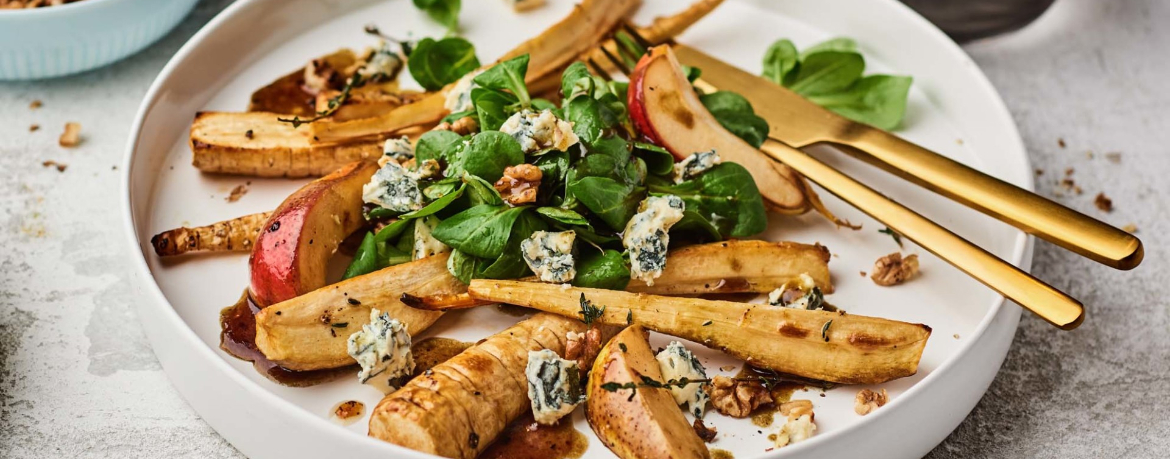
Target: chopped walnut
[[584, 347], [868, 400], [738, 398], [1129, 228], [60, 166], [892, 269], [519, 184], [461, 126], [707, 434], [1103, 203], [795, 408], [72, 135], [319, 76], [238, 192]]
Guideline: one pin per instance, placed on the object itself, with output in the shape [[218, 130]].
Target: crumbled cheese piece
[[678, 362], [550, 255], [802, 294], [554, 385], [695, 164], [459, 96], [796, 430], [426, 245], [382, 63], [382, 348], [524, 5], [539, 132], [399, 150], [319, 75], [646, 238], [394, 188]]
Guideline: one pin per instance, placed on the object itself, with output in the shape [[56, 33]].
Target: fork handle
[[1027, 211], [1011, 282]]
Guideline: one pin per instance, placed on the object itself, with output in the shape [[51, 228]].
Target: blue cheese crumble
[[459, 96], [646, 238], [426, 245], [381, 63], [677, 363], [554, 386], [539, 131], [398, 150], [394, 188], [695, 164], [800, 294], [382, 348], [550, 255]]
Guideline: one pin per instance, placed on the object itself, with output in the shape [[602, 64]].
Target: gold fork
[[1033, 294]]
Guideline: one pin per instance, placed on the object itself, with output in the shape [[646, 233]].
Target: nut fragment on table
[[72, 135], [738, 398], [892, 269], [868, 400]]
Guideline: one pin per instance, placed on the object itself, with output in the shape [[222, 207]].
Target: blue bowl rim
[[48, 11]]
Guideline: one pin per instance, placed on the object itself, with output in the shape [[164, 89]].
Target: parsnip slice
[[459, 408], [307, 332], [828, 346]]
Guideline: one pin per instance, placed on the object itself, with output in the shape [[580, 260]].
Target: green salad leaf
[[444, 12], [725, 196], [830, 74], [482, 230], [735, 114], [602, 269], [437, 63]]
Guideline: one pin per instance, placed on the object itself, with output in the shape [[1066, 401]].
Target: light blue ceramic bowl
[[62, 40]]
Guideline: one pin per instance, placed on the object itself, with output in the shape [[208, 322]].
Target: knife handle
[[1027, 211], [1033, 294]]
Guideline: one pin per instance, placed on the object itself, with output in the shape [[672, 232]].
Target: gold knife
[[800, 123]]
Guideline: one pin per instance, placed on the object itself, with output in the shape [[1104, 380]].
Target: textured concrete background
[[78, 378]]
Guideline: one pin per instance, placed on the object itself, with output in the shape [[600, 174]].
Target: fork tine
[[637, 36], [601, 72], [617, 61]]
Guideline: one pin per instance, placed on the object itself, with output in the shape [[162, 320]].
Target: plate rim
[[1021, 255]]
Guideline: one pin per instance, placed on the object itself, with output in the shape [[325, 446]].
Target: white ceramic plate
[[953, 110]]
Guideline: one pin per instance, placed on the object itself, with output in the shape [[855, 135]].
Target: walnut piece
[[519, 184], [584, 347], [868, 400], [892, 269], [738, 398], [72, 135], [461, 126], [1103, 203], [707, 434]]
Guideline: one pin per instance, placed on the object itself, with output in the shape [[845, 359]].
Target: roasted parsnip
[[556, 47], [828, 346], [235, 235], [309, 332], [718, 267], [463, 404]]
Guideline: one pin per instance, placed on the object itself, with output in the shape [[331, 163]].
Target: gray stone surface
[[78, 379]]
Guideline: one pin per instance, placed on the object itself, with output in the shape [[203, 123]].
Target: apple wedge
[[667, 112], [642, 422], [290, 255]]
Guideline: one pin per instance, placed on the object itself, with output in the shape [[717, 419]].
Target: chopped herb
[[473, 440], [249, 134], [825, 330], [340, 324], [707, 323], [589, 312], [623, 346], [894, 234], [629, 317], [354, 301]]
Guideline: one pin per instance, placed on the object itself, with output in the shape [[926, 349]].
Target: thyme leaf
[[894, 234], [589, 312]]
